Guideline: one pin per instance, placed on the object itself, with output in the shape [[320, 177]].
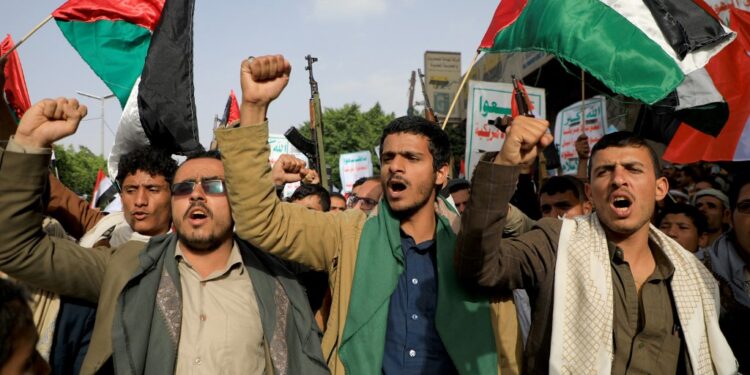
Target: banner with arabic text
[[568, 129], [490, 101]]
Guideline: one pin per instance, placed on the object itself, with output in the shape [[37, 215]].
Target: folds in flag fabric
[[14, 89], [642, 49], [231, 111], [730, 71], [99, 187], [143, 51]]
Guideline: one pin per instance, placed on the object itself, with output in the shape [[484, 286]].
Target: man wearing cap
[[715, 205]]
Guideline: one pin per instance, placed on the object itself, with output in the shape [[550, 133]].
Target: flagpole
[[30, 33], [583, 102], [460, 89]]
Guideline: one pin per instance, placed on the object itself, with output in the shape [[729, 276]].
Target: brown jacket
[[321, 241]]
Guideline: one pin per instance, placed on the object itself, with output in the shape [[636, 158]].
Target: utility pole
[[101, 100], [412, 81]]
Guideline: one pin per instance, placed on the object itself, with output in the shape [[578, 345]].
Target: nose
[[141, 197], [618, 176], [671, 232], [396, 164], [198, 193]]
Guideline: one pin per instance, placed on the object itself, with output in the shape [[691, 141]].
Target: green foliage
[[78, 169], [348, 129]]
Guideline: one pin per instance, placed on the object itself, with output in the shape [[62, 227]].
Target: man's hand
[[289, 169], [582, 147], [523, 140], [48, 121], [262, 80]]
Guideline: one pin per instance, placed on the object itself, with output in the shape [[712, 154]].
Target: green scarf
[[462, 322]]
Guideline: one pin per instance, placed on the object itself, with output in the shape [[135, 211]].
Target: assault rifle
[[429, 114], [313, 148], [522, 102]]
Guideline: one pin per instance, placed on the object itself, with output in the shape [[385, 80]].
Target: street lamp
[[101, 100]]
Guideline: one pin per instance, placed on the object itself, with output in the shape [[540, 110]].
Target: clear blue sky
[[366, 51]]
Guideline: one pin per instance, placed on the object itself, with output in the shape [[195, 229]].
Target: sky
[[366, 50]]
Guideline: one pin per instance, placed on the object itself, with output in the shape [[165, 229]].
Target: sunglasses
[[210, 187], [367, 203]]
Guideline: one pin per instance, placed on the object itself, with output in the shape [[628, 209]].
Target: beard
[[200, 243], [404, 210]]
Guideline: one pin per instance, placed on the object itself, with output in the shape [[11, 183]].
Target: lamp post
[[101, 100]]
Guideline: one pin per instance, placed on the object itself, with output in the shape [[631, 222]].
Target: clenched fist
[[48, 121], [289, 169], [523, 140], [262, 80]]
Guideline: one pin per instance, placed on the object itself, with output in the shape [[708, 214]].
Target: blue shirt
[[412, 343]]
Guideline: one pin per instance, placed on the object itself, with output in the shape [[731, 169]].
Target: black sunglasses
[[210, 187]]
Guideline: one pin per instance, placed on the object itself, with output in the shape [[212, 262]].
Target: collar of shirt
[[664, 267], [407, 242], [234, 262]]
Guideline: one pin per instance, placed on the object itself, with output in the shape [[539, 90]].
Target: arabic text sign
[[354, 166], [488, 101], [568, 129], [280, 145]]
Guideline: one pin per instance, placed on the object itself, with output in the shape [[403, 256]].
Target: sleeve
[[287, 230], [26, 252], [70, 210], [486, 260]]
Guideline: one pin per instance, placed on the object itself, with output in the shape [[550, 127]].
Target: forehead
[[143, 178], [678, 218], [622, 155], [709, 199], [199, 168], [406, 142], [559, 197], [744, 193]]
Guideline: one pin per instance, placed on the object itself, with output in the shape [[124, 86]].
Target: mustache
[[397, 178], [198, 204]]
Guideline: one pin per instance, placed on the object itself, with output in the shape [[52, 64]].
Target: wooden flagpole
[[30, 33], [460, 89], [583, 102]]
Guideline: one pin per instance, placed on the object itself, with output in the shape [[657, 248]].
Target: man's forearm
[[71, 211]]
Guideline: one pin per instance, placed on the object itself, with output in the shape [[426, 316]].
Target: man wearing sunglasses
[[729, 260], [195, 300], [365, 195], [396, 305]]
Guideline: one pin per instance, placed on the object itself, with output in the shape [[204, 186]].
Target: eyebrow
[[612, 165]]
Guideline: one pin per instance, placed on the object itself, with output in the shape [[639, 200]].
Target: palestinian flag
[[730, 71], [639, 48], [143, 51], [15, 91], [231, 110]]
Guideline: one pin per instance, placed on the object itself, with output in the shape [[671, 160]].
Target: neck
[[634, 246], [713, 236], [206, 262], [421, 225]]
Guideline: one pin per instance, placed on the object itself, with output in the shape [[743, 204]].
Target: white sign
[[354, 166], [568, 129], [280, 145], [489, 101]]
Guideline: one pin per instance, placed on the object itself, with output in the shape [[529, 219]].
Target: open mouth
[[397, 186], [197, 215], [621, 205]]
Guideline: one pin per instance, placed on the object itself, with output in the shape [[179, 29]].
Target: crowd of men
[[627, 267]]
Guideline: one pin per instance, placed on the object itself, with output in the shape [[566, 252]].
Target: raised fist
[[48, 121], [289, 169], [523, 140]]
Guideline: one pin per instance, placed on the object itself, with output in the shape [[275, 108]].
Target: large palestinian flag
[[640, 48], [143, 51]]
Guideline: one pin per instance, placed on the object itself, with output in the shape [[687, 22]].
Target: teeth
[[620, 199]]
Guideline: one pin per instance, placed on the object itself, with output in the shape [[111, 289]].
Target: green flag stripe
[[115, 50], [595, 37]]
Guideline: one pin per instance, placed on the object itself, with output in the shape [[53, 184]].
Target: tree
[[77, 169], [348, 129]]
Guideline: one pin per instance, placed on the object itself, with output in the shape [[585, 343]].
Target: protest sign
[[568, 129], [280, 145], [490, 101], [353, 166]]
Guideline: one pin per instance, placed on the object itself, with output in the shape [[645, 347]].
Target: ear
[[662, 188], [703, 240], [441, 175], [587, 207], [587, 190]]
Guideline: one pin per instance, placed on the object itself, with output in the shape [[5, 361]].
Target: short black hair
[[735, 188], [337, 195], [625, 139], [15, 317], [455, 185], [439, 144], [362, 180], [698, 218], [202, 154], [306, 190], [147, 159], [560, 184]]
